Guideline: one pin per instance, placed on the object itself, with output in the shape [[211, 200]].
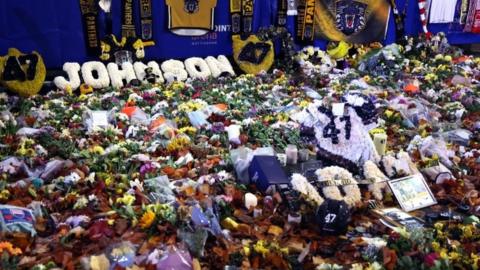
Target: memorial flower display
[[157, 175]]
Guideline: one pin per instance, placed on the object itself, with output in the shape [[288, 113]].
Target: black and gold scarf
[[89, 12]]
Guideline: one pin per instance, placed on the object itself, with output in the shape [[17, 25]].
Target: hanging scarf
[[106, 6], [473, 16], [464, 11], [236, 13], [282, 13], [128, 23], [247, 16], [146, 19], [306, 20], [89, 12], [422, 6]]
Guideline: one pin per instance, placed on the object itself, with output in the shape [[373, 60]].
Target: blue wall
[[54, 28]]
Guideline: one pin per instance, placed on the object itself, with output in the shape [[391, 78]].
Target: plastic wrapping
[[175, 259], [234, 134], [431, 146], [195, 240], [160, 190], [97, 119], [197, 119], [438, 174], [122, 255]]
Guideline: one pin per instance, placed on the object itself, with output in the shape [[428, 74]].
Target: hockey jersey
[[191, 17]]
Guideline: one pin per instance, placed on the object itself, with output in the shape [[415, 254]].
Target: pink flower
[[430, 259]]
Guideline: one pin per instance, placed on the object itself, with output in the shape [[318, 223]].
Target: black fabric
[[128, 22], [282, 13], [332, 217], [249, 52], [305, 22], [89, 12], [146, 19]]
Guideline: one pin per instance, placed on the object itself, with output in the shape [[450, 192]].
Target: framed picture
[[412, 192], [398, 218]]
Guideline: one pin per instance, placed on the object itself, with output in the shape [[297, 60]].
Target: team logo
[[252, 54], [350, 16], [191, 6]]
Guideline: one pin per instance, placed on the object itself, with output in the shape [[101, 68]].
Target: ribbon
[[128, 25], [146, 19], [89, 12], [306, 20]]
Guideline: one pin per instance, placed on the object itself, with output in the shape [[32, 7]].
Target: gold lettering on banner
[[310, 11], [128, 12]]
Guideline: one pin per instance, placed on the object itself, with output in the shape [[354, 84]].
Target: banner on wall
[[353, 21]]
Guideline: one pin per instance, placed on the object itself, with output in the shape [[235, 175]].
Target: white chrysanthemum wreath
[[335, 173], [379, 180], [309, 192]]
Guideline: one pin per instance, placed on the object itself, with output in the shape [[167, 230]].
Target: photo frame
[[412, 192]]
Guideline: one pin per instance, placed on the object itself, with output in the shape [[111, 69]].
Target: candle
[[292, 154], [380, 141], [251, 200], [303, 155]]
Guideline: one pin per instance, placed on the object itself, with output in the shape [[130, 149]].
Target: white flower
[[300, 184], [72, 70], [136, 184], [335, 173], [81, 203], [197, 68], [103, 79], [373, 173]]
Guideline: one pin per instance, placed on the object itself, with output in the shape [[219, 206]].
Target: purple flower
[[147, 168], [218, 127]]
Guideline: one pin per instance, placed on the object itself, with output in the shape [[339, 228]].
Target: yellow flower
[[467, 231], [8, 247], [4, 194], [127, 199], [475, 258], [188, 130], [443, 254], [367, 78], [176, 86], [304, 103], [430, 77], [82, 97], [282, 117], [453, 256], [178, 143], [147, 219], [435, 246], [97, 149], [169, 94], [261, 248], [438, 226]]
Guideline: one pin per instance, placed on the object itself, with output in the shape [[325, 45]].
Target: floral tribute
[[155, 175]]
